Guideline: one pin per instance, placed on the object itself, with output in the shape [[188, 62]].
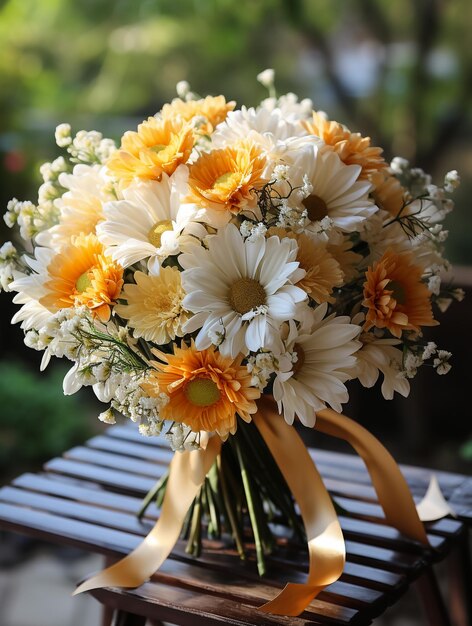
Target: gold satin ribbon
[[392, 490], [187, 473], [326, 548], [326, 545]]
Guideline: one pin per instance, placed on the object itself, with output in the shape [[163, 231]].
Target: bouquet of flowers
[[224, 270]]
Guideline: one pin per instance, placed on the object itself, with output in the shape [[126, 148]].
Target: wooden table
[[89, 497]]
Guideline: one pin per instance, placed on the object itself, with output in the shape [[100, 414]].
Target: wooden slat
[[101, 461], [129, 523], [356, 508], [60, 523], [83, 492], [89, 498], [420, 475], [161, 602]]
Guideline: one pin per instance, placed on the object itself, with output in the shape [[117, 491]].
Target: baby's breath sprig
[[121, 356]]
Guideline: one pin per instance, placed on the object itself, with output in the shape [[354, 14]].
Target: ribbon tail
[[434, 505], [187, 473], [391, 487], [326, 548]]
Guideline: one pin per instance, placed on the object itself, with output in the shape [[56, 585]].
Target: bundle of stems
[[244, 486]]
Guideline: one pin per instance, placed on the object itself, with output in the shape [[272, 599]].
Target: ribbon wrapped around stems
[[326, 545]]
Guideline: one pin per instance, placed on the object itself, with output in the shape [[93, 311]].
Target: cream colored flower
[[323, 272], [154, 306], [80, 207], [352, 148]]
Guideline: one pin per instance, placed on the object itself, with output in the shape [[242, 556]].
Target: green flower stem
[[188, 518], [261, 567], [154, 493], [230, 511], [214, 484], [214, 529], [194, 544], [272, 483]]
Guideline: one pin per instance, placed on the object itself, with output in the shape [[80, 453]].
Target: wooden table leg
[[107, 612], [460, 582], [107, 615], [431, 599], [122, 618]]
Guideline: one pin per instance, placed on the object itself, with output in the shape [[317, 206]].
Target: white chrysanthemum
[[380, 356], [323, 349], [244, 286], [377, 356], [336, 191], [290, 107], [80, 208], [150, 222], [266, 127], [154, 305]]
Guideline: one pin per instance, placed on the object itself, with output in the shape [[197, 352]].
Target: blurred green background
[[400, 72]]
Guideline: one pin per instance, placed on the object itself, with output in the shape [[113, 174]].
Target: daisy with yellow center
[[352, 148], [82, 275], [224, 180], [395, 296], [323, 272], [154, 305], [206, 113], [160, 145], [206, 389]]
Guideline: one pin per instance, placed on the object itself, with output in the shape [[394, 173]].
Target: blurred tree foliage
[[43, 424], [401, 72]]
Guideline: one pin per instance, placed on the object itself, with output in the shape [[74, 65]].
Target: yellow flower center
[[246, 294], [202, 392], [155, 234], [316, 208], [398, 291], [300, 358], [158, 147], [83, 282], [221, 180]]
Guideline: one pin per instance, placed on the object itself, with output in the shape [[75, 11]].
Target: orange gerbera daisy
[[225, 179], [395, 295], [160, 145], [388, 193], [352, 148], [206, 390], [210, 111], [323, 272], [81, 275]]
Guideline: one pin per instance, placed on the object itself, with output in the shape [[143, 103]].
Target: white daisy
[[335, 192], [150, 222], [323, 349], [30, 288], [243, 286]]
